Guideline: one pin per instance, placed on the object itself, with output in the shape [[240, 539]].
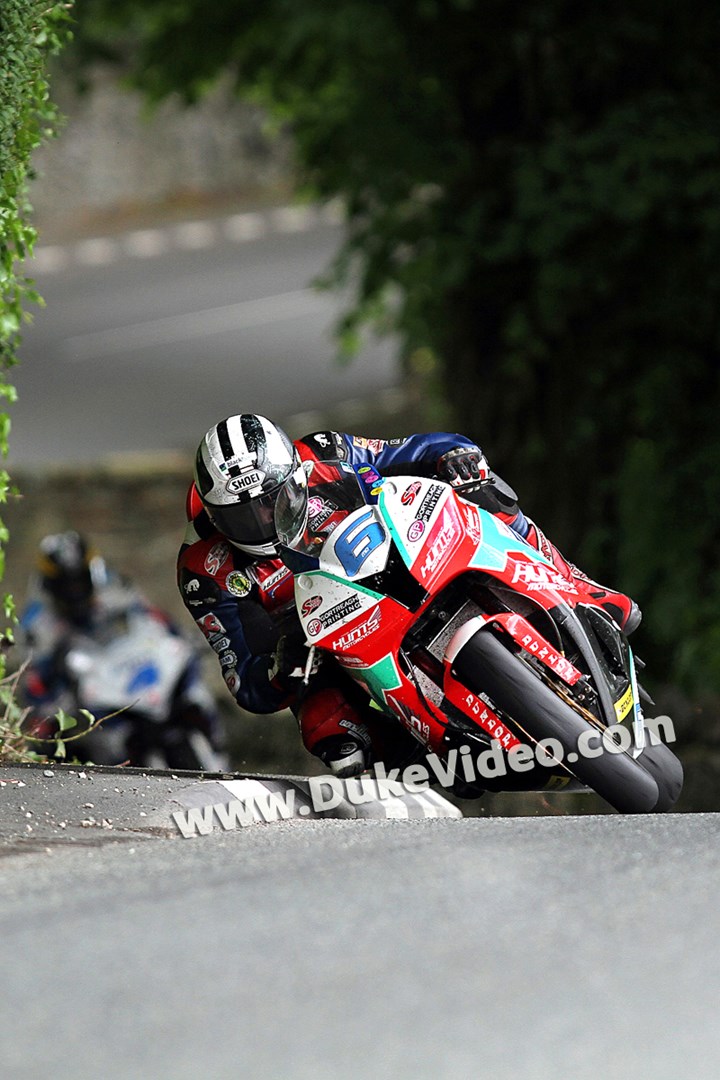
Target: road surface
[[506, 948], [149, 337]]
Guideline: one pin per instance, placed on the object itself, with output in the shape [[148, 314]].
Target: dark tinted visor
[[247, 523], [71, 588]]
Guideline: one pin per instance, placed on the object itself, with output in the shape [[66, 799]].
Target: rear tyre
[[486, 665]]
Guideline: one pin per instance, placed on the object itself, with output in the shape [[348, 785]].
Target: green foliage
[[532, 197], [30, 31]]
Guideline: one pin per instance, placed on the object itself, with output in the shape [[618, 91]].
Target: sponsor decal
[[192, 586], [242, 461], [472, 525], [237, 584], [216, 634], [370, 476], [429, 503], [416, 530], [554, 660], [351, 661], [474, 706], [210, 624], [359, 632], [444, 541], [319, 512], [272, 583], [535, 576], [241, 483], [334, 615], [624, 705], [216, 557], [311, 604], [375, 446], [228, 659], [410, 492], [232, 681], [322, 440], [420, 726]]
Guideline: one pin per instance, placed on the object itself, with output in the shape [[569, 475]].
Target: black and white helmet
[[240, 468]]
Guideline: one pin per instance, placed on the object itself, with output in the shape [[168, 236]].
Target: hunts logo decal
[[444, 540], [359, 633], [536, 576]]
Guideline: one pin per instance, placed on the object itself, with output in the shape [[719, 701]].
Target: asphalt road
[[149, 337], [507, 948]]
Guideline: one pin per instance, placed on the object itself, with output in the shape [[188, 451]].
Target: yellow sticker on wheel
[[624, 705]]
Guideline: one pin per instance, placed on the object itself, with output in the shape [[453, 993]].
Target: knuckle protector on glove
[[462, 465]]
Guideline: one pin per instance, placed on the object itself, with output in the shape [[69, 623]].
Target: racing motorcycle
[[141, 680], [469, 637]]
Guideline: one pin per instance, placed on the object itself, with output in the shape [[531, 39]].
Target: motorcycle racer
[[241, 594], [76, 597]]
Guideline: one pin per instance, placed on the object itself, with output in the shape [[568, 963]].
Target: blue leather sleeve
[[416, 453]]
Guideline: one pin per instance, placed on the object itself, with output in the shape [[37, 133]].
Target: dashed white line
[[194, 235], [146, 243], [242, 227], [98, 252], [188, 236]]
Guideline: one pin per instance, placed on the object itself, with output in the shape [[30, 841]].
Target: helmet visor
[[250, 523]]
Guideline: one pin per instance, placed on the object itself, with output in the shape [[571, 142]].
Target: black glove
[[289, 660], [464, 465]]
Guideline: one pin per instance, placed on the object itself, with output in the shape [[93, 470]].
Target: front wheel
[[486, 665]]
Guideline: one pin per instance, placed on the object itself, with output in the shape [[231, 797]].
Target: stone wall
[[113, 156]]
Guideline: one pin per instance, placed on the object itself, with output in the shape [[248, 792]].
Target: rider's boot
[[624, 611], [334, 731]]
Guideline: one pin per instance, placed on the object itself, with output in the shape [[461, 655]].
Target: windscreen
[[315, 499]]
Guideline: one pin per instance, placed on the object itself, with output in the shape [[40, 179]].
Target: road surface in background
[[150, 337]]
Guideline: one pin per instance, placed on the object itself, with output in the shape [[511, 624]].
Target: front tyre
[[486, 665]]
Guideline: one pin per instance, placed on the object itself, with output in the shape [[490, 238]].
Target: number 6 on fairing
[[357, 541]]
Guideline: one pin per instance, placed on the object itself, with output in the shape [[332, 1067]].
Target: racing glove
[[464, 465], [290, 661]]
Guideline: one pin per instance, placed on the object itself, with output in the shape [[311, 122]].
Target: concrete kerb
[[229, 803], [61, 804]]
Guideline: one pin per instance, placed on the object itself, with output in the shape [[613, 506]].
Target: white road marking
[[98, 252], [48, 260], [146, 243], [194, 235], [189, 236], [241, 227]]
